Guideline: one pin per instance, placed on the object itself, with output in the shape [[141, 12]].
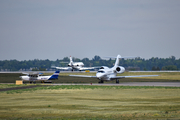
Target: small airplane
[[107, 74], [36, 77], [75, 66]]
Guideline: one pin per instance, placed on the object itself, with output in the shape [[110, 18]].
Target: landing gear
[[117, 81], [32, 82], [101, 81]]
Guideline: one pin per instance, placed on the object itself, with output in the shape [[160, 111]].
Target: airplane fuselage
[[105, 73], [76, 64], [28, 78], [36, 77]]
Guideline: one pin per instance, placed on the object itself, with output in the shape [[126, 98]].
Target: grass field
[[2, 86], [91, 102], [64, 77]]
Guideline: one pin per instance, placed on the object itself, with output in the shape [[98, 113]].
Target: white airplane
[[75, 66], [108, 74], [35, 77]]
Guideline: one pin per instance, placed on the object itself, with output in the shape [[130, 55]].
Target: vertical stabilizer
[[117, 60], [55, 75], [71, 61]]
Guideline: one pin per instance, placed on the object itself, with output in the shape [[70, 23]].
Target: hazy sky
[[54, 29]]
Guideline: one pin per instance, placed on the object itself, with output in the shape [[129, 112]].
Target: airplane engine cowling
[[120, 69]]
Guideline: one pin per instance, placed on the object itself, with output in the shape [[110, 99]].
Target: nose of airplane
[[99, 75]]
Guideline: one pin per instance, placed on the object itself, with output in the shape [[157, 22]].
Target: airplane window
[[101, 72], [101, 67]]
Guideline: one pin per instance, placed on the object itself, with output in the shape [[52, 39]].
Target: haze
[[54, 29]]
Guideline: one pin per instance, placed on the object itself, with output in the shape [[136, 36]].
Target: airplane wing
[[87, 68], [118, 77], [34, 73], [64, 68], [83, 76], [25, 73]]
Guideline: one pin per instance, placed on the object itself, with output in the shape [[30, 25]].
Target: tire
[[117, 81]]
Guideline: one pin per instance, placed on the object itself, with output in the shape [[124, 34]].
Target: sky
[[54, 29]]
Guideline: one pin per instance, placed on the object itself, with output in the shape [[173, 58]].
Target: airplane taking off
[[35, 77], [108, 74], [75, 66]]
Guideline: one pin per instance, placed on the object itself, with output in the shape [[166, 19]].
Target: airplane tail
[[118, 59], [55, 75], [71, 61]]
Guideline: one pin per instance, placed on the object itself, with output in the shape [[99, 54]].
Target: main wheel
[[101, 81], [117, 81]]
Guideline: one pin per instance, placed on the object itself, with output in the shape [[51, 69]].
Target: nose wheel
[[117, 81]]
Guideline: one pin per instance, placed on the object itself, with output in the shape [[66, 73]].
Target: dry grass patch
[[91, 103]]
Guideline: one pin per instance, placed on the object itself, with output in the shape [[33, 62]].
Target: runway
[[163, 84]]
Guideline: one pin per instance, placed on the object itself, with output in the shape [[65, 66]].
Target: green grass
[[2, 86], [9, 77], [92, 102], [57, 87], [162, 75]]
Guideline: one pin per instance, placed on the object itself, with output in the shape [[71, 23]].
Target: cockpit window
[[101, 72], [101, 67]]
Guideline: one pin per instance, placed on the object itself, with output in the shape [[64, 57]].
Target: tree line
[[153, 63]]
